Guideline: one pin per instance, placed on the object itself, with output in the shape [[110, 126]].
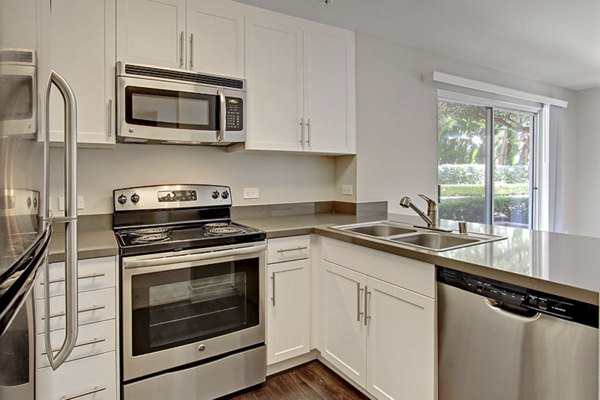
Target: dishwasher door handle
[[521, 313]]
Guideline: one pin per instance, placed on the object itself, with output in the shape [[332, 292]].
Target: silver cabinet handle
[[110, 117], [181, 49], [292, 249], [358, 296], [191, 50], [222, 116], [308, 135], [86, 393], [97, 275], [367, 295], [301, 132], [83, 310], [88, 343], [70, 220], [273, 281]]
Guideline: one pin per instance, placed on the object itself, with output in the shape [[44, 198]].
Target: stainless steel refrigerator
[[26, 224]]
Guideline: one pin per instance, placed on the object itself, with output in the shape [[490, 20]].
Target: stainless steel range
[[193, 284]]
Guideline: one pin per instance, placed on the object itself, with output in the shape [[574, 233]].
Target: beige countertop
[[566, 265], [95, 238]]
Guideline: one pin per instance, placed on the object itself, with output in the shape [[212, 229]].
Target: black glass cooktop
[[172, 238]]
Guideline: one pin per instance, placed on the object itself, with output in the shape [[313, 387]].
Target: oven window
[[181, 306], [16, 97], [171, 109]]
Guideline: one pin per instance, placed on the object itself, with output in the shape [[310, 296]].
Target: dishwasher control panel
[[520, 300]]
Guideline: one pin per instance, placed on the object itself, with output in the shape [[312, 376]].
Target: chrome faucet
[[431, 218]]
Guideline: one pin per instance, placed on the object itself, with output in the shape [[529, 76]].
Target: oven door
[[184, 307]]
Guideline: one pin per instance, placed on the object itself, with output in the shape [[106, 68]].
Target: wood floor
[[309, 381]]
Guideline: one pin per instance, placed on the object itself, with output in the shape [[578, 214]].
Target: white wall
[[281, 178], [396, 121], [588, 162]]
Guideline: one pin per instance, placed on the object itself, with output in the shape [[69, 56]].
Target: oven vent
[[141, 70], [16, 56]]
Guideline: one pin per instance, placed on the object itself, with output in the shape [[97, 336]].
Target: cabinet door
[[151, 32], [288, 320], [329, 95], [275, 79], [343, 333], [83, 52], [217, 29], [401, 358]]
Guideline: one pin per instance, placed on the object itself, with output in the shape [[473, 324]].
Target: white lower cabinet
[[379, 334], [92, 378], [343, 341], [400, 343], [90, 371], [288, 297]]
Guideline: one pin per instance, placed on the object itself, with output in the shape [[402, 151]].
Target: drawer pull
[[83, 310], [98, 275], [87, 393], [88, 343], [293, 249]]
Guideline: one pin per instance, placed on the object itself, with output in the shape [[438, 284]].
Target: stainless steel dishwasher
[[503, 342]]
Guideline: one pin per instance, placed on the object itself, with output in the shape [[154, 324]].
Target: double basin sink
[[416, 237]]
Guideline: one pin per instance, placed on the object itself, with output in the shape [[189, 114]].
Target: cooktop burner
[[151, 238], [149, 231], [225, 230]]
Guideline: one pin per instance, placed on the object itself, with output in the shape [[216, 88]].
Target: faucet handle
[[428, 200]]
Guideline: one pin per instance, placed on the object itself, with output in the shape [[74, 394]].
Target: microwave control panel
[[235, 114]]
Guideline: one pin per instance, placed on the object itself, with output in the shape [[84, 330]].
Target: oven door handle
[[177, 259]]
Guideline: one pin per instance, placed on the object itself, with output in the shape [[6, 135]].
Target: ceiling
[[553, 41]]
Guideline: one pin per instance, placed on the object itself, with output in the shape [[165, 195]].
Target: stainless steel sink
[[380, 230], [437, 241], [415, 237]]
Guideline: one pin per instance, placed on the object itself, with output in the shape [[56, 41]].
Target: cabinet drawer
[[92, 339], [94, 306], [92, 378], [94, 273], [287, 249]]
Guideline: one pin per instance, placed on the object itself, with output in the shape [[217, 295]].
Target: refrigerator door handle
[[70, 221]]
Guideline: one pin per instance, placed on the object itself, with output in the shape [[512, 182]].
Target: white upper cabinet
[[329, 87], [215, 35], [301, 85], [83, 52], [274, 54], [151, 32], [199, 35]]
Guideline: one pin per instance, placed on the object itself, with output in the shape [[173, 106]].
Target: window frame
[[539, 173]]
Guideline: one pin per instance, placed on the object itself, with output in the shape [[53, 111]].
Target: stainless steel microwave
[[18, 92], [159, 105]]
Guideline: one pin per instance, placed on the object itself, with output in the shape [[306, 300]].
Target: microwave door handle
[[222, 116], [70, 221]]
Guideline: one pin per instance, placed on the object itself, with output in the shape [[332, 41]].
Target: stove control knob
[[225, 195], [215, 194], [122, 199], [135, 198], [542, 304]]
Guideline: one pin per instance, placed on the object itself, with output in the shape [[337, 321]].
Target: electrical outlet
[[250, 193], [80, 203], [347, 190]]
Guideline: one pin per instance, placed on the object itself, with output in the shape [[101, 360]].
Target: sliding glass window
[[485, 163]]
